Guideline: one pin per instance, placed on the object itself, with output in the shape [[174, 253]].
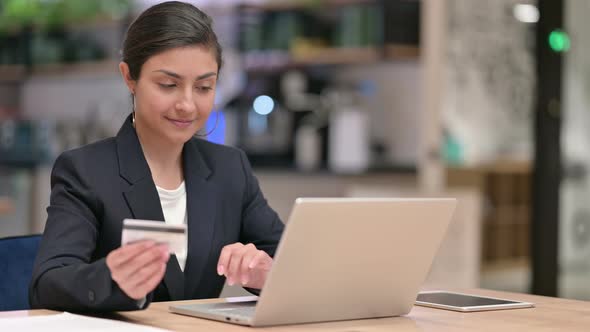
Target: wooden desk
[[550, 314]]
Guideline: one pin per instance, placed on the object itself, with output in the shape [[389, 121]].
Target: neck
[[164, 160]]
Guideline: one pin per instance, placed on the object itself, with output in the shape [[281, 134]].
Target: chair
[[17, 255]]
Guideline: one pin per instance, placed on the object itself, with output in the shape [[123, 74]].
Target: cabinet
[[505, 187]]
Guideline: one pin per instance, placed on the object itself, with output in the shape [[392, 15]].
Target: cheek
[[157, 102], [205, 104]]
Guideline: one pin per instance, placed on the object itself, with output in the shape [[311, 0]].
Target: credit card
[[136, 230]]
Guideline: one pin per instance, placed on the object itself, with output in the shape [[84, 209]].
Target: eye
[[204, 88], [167, 86]]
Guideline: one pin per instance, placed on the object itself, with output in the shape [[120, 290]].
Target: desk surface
[[550, 314]]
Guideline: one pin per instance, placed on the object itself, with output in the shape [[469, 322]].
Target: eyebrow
[[175, 75]]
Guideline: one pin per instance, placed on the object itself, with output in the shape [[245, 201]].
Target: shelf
[[300, 5], [18, 73], [81, 68], [506, 265], [337, 56], [402, 52], [12, 73], [273, 61], [276, 61], [499, 166], [99, 22]]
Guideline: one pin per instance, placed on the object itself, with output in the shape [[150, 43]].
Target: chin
[[179, 139]]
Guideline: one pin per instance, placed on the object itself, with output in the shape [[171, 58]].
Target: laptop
[[343, 259]]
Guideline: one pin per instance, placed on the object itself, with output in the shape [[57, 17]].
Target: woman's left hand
[[244, 264]]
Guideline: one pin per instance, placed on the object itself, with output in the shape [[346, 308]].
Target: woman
[[155, 169]]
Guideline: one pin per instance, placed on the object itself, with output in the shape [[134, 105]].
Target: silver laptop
[[341, 259]]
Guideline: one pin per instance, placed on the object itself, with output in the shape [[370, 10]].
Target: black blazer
[[95, 187]]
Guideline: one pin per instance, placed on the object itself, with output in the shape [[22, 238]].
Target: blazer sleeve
[[261, 225], [64, 275]]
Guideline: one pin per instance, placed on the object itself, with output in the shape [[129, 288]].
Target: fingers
[[151, 255], [121, 255], [138, 268], [151, 283], [234, 269], [224, 258], [153, 274], [259, 260], [240, 264], [258, 269], [245, 266], [144, 267], [141, 281]]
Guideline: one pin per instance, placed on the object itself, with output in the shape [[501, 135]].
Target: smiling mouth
[[180, 123]]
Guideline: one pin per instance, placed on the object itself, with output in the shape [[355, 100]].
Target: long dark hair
[[166, 26]]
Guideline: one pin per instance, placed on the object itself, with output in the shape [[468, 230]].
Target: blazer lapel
[[142, 197], [201, 208]]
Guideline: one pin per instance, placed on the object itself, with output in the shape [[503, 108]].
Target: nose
[[186, 102]]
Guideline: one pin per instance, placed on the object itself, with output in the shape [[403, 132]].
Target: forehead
[[185, 61]]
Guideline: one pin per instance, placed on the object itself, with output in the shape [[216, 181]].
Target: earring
[[133, 113]]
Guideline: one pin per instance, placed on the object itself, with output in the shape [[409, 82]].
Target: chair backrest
[[17, 255]]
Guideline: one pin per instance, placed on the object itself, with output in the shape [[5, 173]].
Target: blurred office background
[[486, 101]]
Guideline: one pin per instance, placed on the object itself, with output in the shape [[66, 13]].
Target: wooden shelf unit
[[364, 35], [18, 73], [12, 73], [92, 67], [401, 52], [334, 56], [342, 56], [506, 188]]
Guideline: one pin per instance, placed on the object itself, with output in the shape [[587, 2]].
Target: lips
[[180, 122]]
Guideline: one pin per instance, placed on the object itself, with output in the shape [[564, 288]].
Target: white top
[[174, 207]]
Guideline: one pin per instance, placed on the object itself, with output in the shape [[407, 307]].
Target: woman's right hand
[[138, 268]]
